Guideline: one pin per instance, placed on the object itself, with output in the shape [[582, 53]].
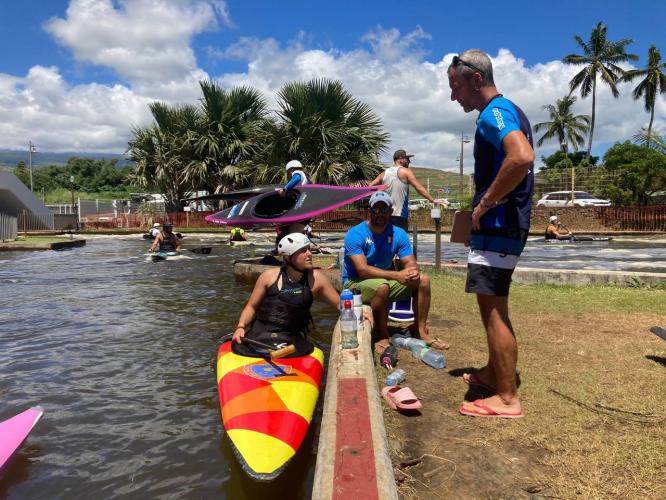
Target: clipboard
[[462, 226]]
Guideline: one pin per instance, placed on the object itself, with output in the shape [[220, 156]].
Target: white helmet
[[292, 243], [381, 196], [553, 218], [293, 164], [157, 224]]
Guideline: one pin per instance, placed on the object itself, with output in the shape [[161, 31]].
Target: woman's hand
[[239, 333]]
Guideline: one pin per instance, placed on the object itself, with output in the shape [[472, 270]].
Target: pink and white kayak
[[15, 430]]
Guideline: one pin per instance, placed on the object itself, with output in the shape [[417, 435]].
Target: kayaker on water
[[155, 230], [237, 234], [278, 310], [166, 240], [555, 230]]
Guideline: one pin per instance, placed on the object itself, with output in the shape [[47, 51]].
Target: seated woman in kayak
[[167, 241], [555, 230], [278, 310]]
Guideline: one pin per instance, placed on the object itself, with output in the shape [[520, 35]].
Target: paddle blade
[[659, 332], [201, 250]]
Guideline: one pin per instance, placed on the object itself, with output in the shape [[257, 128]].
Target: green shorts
[[397, 291]]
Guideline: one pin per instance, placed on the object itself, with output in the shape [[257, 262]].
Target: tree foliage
[[564, 126], [641, 172], [600, 57], [651, 86]]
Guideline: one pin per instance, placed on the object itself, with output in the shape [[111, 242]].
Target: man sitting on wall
[[369, 250]]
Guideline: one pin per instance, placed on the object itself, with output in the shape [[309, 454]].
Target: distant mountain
[[10, 158]]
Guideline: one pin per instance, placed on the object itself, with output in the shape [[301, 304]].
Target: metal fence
[[35, 222], [8, 227]]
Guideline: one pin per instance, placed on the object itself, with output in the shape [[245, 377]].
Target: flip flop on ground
[[437, 343], [475, 380], [478, 409], [401, 398], [381, 345]]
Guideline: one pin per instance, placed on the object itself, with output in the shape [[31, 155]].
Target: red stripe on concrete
[[355, 473]]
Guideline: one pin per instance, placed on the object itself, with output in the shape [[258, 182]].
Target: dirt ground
[[438, 453]]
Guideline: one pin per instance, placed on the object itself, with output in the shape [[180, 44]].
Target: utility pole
[[71, 188], [31, 149], [463, 141]]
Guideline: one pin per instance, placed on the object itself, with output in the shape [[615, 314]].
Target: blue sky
[[77, 75]]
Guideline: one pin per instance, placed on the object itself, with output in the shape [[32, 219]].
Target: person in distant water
[[237, 234], [369, 249], [166, 241], [278, 310], [155, 230], [502, 204], [555, 230], [398, 178], [295, 177]]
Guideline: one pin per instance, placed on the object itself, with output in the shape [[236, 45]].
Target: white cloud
[[148, 43], [142, 40]]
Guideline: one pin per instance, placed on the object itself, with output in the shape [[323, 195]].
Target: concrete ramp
[[16, 199]]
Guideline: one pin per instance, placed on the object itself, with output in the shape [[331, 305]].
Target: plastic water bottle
[[358, 307], [407, 342], [430, 357], [346, 294], [395, 377], [348, 326], [389, 357]]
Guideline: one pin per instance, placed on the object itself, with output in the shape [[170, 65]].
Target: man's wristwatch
[[492, 205]]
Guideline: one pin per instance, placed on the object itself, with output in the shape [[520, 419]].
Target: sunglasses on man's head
[[457, 61]]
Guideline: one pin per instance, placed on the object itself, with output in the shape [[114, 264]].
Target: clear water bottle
[[346, 294], [348, 326], [430, 357], [407, 342], [396, 377], [358, 307]]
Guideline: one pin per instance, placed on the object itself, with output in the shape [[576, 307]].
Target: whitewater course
[[121, 355]]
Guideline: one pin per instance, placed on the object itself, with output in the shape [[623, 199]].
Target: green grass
[[35, 240]]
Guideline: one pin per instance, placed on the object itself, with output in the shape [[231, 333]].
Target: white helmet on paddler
[[553, 218], [292, 243], [381, 196], [293, 164]]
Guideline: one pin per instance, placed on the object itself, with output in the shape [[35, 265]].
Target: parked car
[[563, 199]]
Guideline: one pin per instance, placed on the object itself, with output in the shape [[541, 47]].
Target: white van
[[563, 199]]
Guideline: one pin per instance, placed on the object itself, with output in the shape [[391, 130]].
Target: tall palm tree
[[600, 57], [653, 84], [230, 133], [335, 136], [161, 152], [566, 127]]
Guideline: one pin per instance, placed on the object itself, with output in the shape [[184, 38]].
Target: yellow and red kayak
[[267, 407]]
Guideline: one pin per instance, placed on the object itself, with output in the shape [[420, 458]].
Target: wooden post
[[438, 244]]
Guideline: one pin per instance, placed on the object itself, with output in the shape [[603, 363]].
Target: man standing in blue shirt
[[503, 164], [369, 250]]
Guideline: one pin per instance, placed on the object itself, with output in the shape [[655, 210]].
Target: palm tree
[[650, 139], [161, 152], [229, 134], [335, 136], [600, 57], [566, 127], [650, 86]]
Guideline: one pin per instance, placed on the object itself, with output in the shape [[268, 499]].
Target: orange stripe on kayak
[[283, 425], [234, 384], [258, 400]]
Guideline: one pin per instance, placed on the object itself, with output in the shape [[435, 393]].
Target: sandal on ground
[[478, 409], [401, 398], [474, 380], [381, 345], [438, 343]]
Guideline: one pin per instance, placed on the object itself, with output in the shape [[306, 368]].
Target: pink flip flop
[[480, 410], [401, 398]]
